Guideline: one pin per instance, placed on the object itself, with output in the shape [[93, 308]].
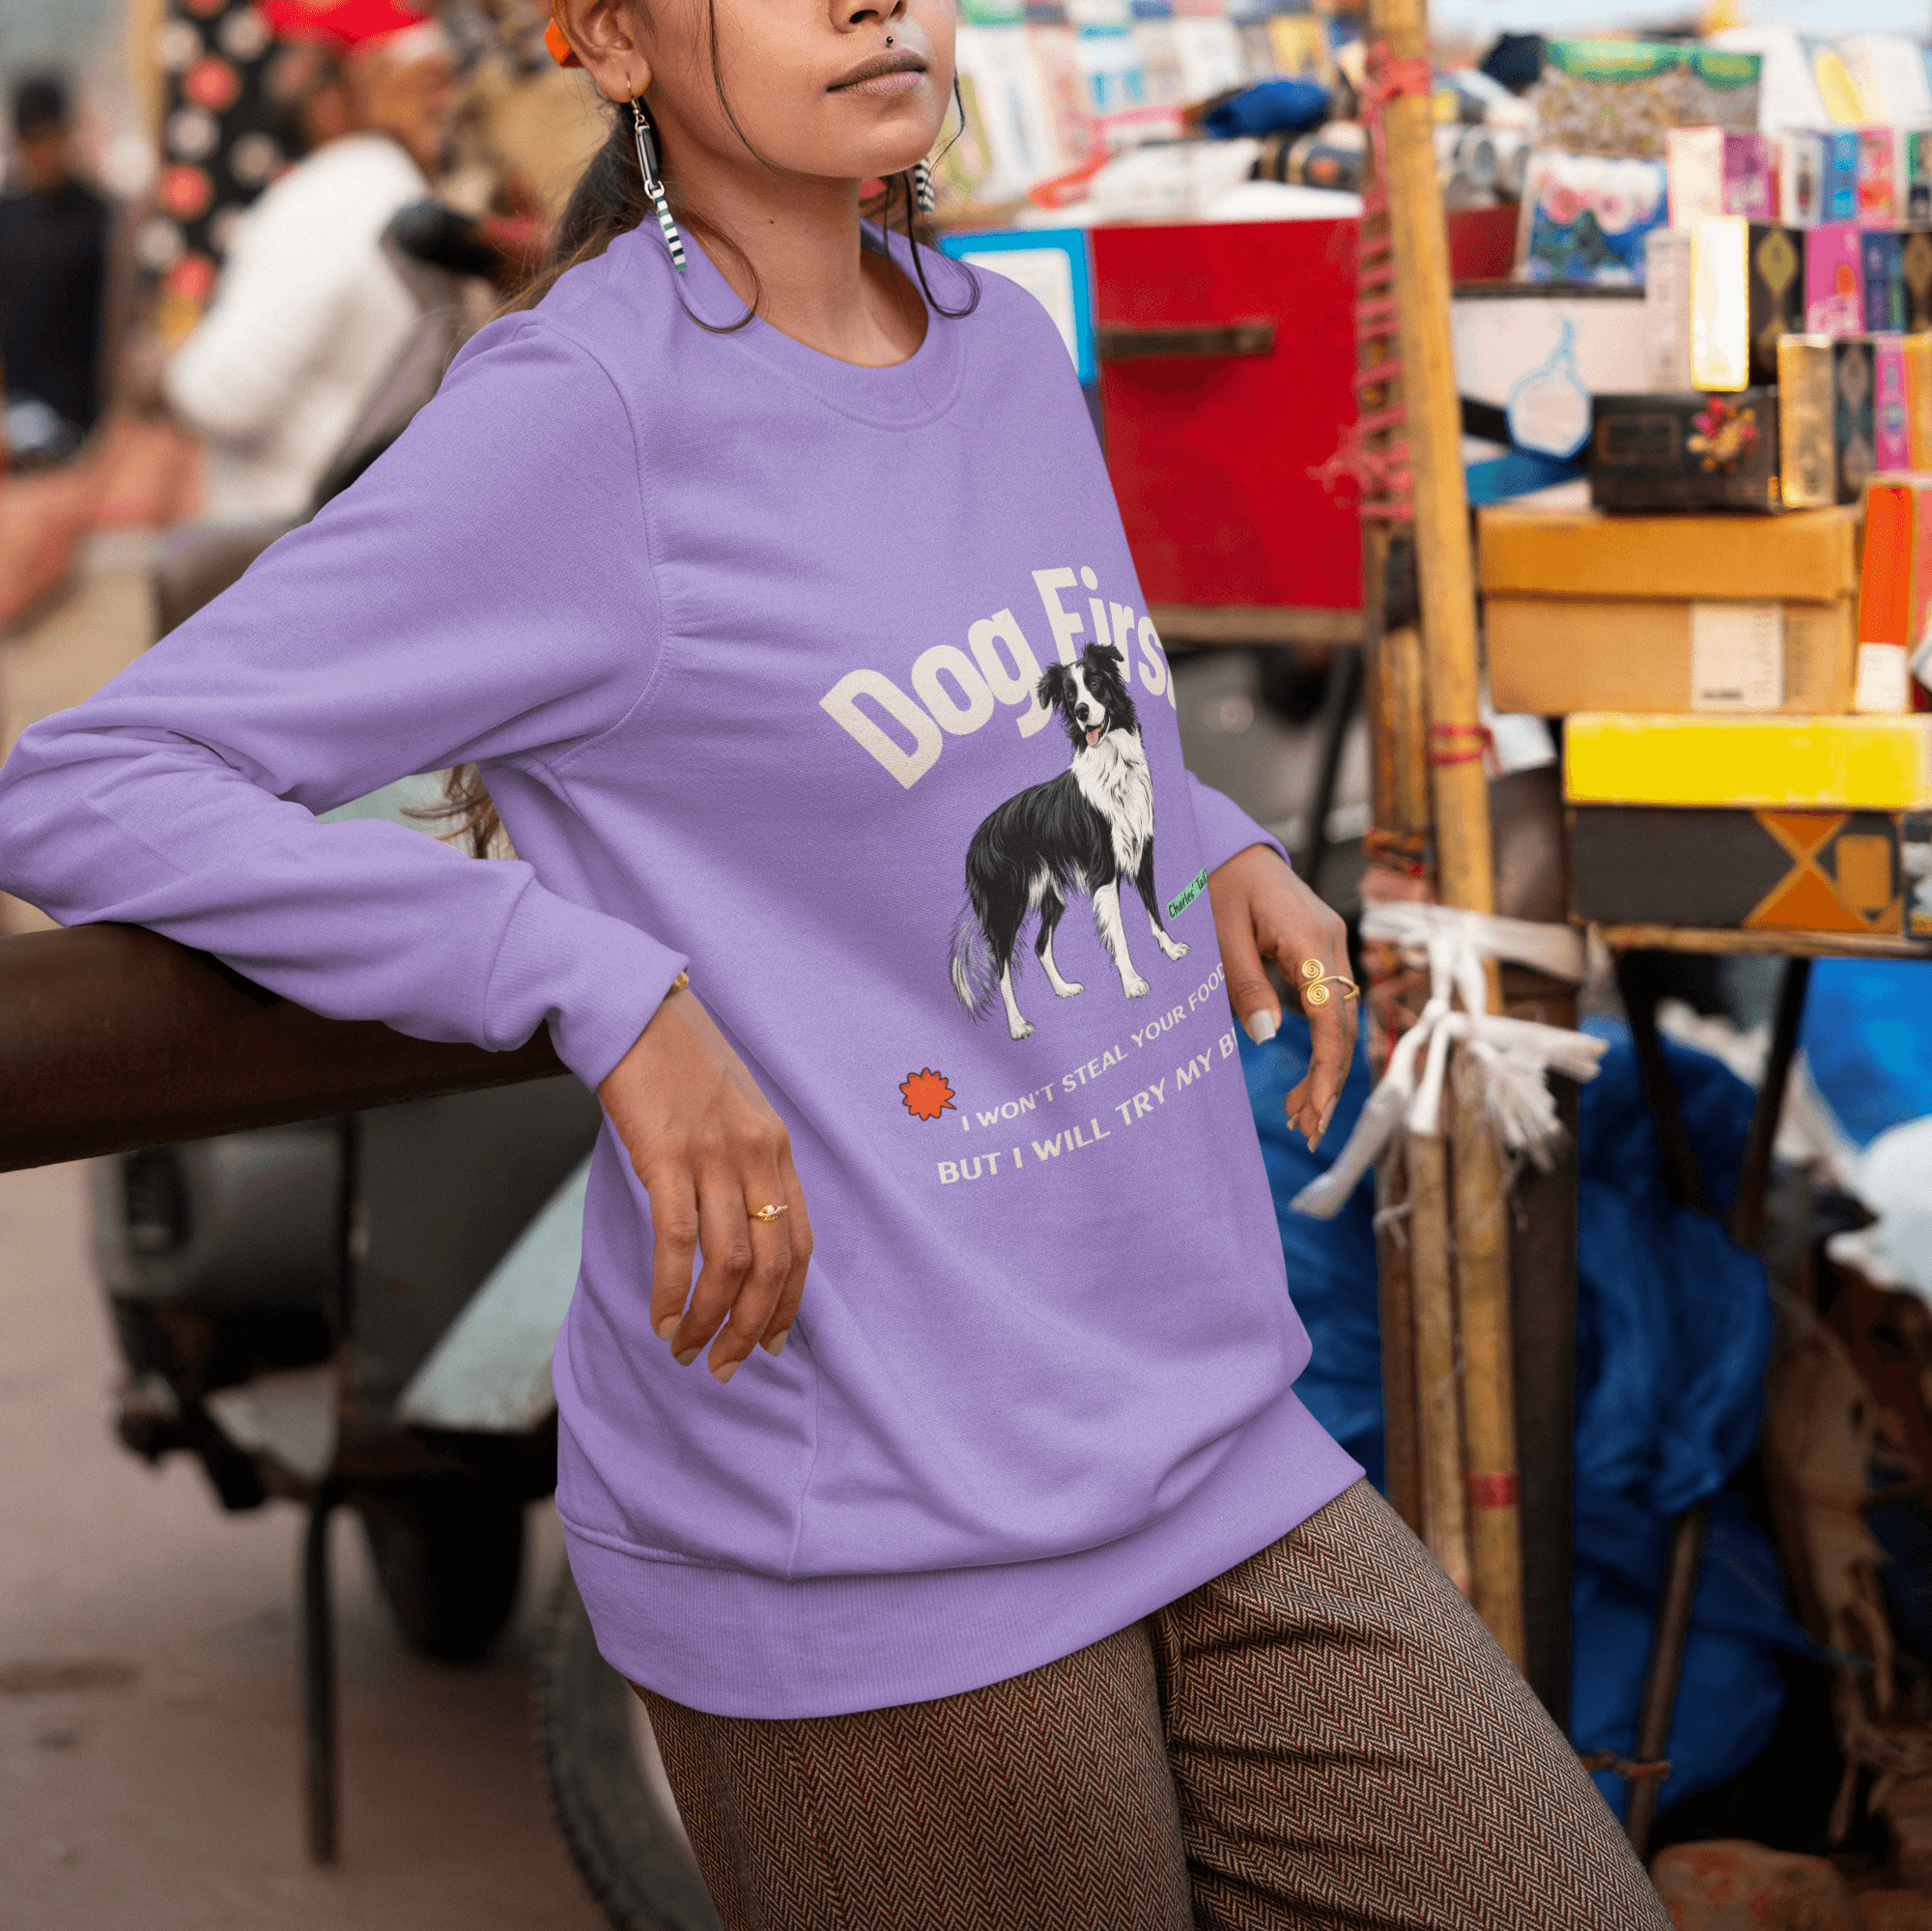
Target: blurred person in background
[[310, 312], [54, 250]]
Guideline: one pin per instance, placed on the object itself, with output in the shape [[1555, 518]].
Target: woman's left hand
[[1263, 911]]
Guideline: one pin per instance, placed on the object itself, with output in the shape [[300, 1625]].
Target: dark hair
[[608, 200], [39, 101]]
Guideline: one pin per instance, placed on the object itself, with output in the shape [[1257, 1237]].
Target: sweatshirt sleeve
[[484, 594], [1225, 828]]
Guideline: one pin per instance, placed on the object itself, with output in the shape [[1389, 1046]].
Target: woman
[[990, 1573]]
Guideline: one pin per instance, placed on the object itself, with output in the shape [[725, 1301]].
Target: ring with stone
[[769, 1212]]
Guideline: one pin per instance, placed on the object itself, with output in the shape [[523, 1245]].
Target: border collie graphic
[[1084, 830]]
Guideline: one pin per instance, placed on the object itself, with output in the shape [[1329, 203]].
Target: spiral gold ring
[[1315, 979], [768, 1213]]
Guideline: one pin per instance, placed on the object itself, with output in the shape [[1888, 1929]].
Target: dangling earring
[[654, 187], [923, 189]]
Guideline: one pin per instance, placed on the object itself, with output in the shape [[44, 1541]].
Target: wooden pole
[[1438, 1419], [1464, 866], [1488, 1421], [1401, 1464]]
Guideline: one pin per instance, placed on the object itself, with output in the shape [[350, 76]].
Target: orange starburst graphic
[[926, 1093]]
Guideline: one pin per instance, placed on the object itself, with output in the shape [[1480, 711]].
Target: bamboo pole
[[1438, 1422], [1488, 1421], [1401, 1464], [1464, 865], [1490, 1569]]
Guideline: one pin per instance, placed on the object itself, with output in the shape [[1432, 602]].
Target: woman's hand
[[710, 1151], [1263, 911]]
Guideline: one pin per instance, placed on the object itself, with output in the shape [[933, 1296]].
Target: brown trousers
[[1326, 1736]]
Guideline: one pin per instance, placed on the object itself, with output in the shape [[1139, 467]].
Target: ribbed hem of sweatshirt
[[735, 1644], [596, 980], [1226, 829]]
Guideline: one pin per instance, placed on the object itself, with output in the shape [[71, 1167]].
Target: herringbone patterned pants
[[1323, 1739]]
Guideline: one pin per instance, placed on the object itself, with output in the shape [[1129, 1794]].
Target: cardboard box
[[1810, 556], [1882, 279], [1834, 298], [1801, 177], [1854, 417], [1878, 764], [1551, 655], [1881, 177], [1806, 455], [1687, 452], [1667, 310], [1841, 174], [1735, 871], [1719, 171]]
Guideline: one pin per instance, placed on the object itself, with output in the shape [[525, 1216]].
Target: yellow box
[[1881, 765], [1805, 557]]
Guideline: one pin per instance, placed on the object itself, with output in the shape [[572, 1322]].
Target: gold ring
[[769, 1212], [1317, 993]]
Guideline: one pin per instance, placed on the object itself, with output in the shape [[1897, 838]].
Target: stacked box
[[1881, 277], [1719, 171], [1881, 177], [1862, 873], [1895, 591], [1841, 175], [1834, 281], [1807, 455], [1800, 179], [1854, 418], [1670, 613], [1686, 451], [1620, 97]]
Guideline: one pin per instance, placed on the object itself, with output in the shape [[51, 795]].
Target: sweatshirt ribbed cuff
[[1225, 828], [594, 979]]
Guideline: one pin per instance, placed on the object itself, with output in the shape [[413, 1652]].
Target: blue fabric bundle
[[1674, 1333], [1269, 107], [1867, 1027]]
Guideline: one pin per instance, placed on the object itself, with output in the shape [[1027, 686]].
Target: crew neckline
[[900, 395]]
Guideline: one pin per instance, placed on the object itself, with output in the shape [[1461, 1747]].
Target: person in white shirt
[[310, 312]]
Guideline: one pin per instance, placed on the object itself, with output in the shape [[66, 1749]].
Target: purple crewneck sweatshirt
[[835, 684]]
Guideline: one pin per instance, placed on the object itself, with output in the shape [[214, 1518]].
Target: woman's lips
[[884, 73]]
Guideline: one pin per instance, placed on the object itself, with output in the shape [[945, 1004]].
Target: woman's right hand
[[710, 1151]]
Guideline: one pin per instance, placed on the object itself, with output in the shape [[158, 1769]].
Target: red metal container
[[1215, 430]]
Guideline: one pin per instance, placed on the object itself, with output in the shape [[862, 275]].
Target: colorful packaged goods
[[1918, 176], [1914, 269], [1834, 302], [1854, 416], [1775, 295], [1841, 175], [1720, 332], [1807, 450], [1585, 218], [1718, 171], [1621, 96], [1883, 278], [1892, 439], [1687, 451], [1881, 177], [1801, 177], [1918, 354]]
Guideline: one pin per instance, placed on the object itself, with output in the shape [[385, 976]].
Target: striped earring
[[923, 189], [654, 187]]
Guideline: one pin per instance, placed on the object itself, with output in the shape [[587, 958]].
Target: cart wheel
[[448, 1554], [606, 1782]]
